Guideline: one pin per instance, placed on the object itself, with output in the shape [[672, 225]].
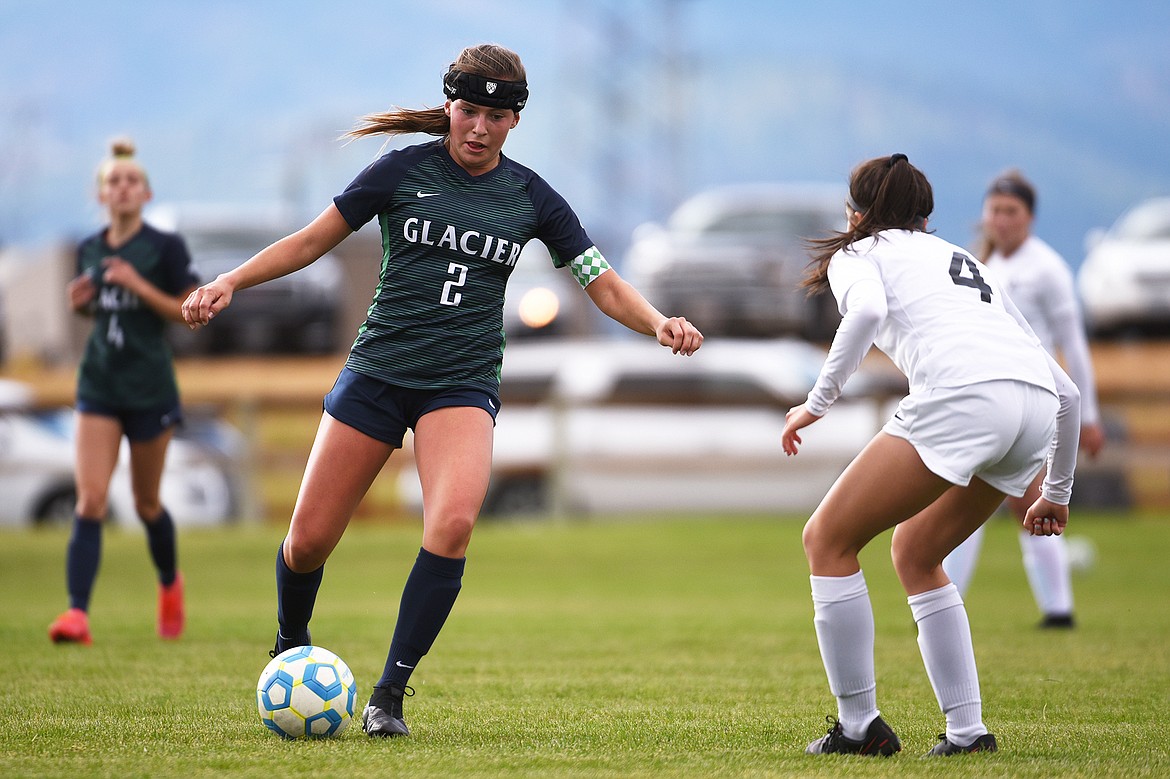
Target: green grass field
[[641, 648]]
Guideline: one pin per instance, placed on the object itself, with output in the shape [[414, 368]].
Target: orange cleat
[[170, 609], [72, 627]]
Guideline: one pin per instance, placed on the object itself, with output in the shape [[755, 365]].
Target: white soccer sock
[[844, 623], [944, 637], [1049, 573], [959, 565]]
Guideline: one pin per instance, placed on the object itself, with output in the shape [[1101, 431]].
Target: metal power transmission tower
[[629, 77]]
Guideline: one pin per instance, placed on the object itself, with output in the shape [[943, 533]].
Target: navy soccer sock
[[295, 595], [427, 599], [82, 557], [160, 537]]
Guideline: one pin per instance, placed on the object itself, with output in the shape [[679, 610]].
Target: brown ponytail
[[889, 194]]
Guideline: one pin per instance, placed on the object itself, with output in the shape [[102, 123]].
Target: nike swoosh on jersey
[[420, 193]]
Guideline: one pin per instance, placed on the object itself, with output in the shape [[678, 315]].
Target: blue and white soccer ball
[[306, 692]]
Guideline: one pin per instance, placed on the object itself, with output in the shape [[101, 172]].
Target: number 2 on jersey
[[450, 296], [975, 280]]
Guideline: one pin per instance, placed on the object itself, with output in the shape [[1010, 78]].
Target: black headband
[[1016, 188], [490, 92]]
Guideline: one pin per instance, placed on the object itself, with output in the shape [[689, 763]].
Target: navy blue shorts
[[137, 424], [385, 411]]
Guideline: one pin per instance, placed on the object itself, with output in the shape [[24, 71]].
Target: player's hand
[[1093, 439], [798, 417], [1045, 518], [205, 302], [81, 291], [679, 335], [115, 270]]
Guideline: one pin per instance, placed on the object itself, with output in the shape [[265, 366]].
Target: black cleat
[[880, 739], [383, 714], [944, 748], [283, 644], [1057, 621]]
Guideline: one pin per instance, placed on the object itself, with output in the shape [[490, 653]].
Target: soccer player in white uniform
[[986, 406], [1041, 285]]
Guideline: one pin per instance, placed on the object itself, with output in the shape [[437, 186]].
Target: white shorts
[[1000, 431]]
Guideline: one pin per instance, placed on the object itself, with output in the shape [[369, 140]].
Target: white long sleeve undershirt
[[865, 309]]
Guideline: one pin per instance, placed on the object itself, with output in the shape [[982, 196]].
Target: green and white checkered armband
[[588, 265]]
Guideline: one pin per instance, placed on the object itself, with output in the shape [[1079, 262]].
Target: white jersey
[[1040, 283], [945, 322]]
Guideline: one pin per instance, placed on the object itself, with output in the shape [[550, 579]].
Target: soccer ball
[[306, 692]]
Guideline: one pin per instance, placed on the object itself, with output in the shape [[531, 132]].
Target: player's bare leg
[[342, 465], [453, 449]]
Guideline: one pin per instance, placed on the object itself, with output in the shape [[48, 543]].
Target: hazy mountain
[[634, 104]]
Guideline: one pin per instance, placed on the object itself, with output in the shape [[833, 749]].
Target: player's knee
[[900, 554], [148, 510], [816, 543], [910, 563], [457, 529], [92, 504], [450, 534], [304, 554]]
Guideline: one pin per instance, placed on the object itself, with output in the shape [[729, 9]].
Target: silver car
[[731, 259], [1124, 281], [299, 313], [199, 484]]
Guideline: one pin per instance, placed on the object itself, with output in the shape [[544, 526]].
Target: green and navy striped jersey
[[127, 362], [449, 242]]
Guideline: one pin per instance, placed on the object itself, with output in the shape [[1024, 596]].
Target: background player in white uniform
[[454, 213], [1040, 283], [986, 405]]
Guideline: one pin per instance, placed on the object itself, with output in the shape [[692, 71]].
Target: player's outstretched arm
[[618, 300], [287, 255]]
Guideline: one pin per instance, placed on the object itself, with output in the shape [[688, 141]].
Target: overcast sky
[[635, 104]]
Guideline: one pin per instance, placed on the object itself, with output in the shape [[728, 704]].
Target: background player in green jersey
[[131, 279], [454, 214]]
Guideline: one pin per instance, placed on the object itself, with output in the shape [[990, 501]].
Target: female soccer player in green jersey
[[454, 214], [131, 279]]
